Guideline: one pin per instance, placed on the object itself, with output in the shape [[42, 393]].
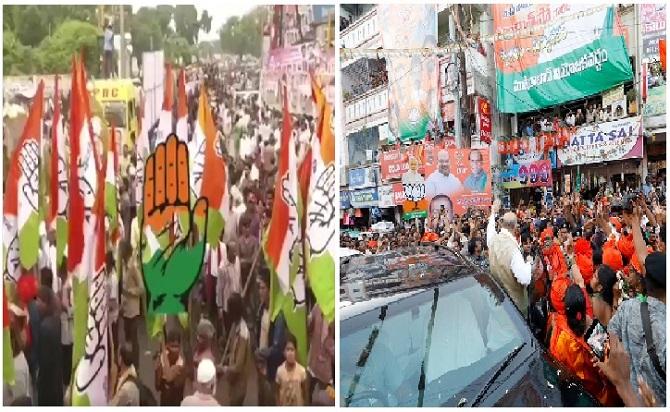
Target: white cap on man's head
[[206, 371]]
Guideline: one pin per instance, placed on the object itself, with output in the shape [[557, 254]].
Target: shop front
[[362, 203]]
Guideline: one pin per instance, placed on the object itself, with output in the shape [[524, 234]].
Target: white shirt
[[228, 282], [522, 270], [22, 384], [439, 184]]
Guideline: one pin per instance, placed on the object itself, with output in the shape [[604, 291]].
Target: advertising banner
[[386, 197], [344, 199], [292, 49], [596, 143], [553, 65], [412, 80], [653, 29], [364, 198], [533, 174], [655, 104], [457, 179], [362, 177], [616, 100], [427, 171], [484, 112], [396, 162], [398, 194]]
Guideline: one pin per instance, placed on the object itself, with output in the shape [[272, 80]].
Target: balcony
[[359, 30], [367, 110]]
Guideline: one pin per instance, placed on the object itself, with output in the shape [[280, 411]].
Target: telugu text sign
[[552, 66]]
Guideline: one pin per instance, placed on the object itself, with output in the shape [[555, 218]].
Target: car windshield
[[115, 113], [460, 329]]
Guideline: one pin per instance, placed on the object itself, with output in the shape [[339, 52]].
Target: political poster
[[541, 62], [604, 142], [293, 48], [520, 175], [394, 163], [457, 179], [652, 17], [412, 79]]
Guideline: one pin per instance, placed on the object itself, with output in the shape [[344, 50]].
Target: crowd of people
[[229, 351], [588, 273]]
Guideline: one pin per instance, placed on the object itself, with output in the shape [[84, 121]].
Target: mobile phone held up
[[598, 340]]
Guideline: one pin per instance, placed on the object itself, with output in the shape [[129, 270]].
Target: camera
[[629, 201]]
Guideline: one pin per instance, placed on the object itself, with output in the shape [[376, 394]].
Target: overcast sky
[[219, 14]]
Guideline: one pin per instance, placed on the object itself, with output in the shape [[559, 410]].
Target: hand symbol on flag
[[321, 210], [29, 164], [175, 255]]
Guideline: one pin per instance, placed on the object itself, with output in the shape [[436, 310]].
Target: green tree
[[243, 35], [31, 26], [17, 59], [177, 50], [145, 30], [186, 23], [205, 22], [71, 37], [164, 14]]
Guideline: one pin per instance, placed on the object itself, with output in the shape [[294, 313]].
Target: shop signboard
[[364, 198], [603, 142], [652, 17], [362, 177], [386, 196], [655, 104], [344, 199], [551, 65]]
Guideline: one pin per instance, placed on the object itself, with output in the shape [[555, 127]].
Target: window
[[471, 334]]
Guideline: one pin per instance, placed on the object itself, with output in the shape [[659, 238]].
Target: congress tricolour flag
[[20, 205], [81, 237], [165, 123], [182, 108], [111, 193], [58, 186], [320, 219], [7, 353], [92, 370], [209, 171], [282, 244]]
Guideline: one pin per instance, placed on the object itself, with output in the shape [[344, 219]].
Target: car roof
[[370, 281]]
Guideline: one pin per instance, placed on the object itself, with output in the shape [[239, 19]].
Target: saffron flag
[[165, 122], [182, 108], [321, 240], [20, 236], [282, 244], [210, 174]]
